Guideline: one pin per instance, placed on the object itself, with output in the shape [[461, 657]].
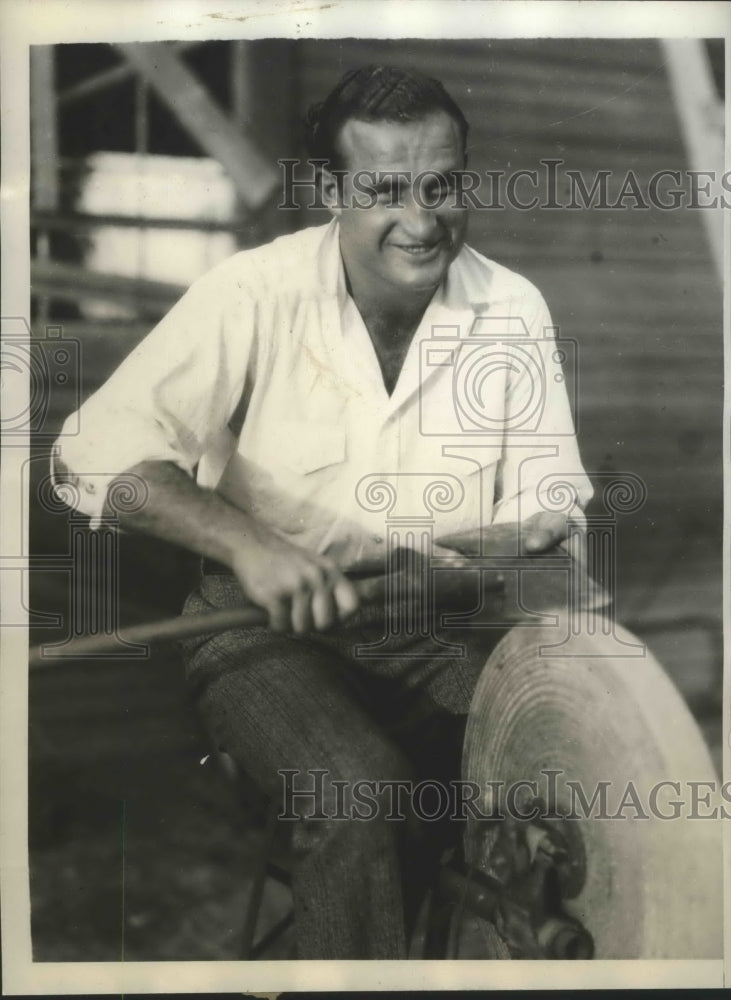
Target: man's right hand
[[300, 590]]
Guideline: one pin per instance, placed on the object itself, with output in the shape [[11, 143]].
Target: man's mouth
[[420, 249]]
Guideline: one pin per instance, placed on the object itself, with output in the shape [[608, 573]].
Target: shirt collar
[[450, 313], [454, 296]]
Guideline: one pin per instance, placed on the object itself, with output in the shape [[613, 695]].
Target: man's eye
[[440, 188]]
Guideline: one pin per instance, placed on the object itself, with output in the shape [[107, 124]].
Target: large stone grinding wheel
[[651, 888]]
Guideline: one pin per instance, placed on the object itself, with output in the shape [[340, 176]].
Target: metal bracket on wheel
[[532, 867]]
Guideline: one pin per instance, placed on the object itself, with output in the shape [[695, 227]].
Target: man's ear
[[332, 194]]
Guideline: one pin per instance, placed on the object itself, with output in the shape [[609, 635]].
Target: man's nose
[[418, 221]]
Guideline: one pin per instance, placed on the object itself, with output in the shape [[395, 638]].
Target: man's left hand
[[543, 530], [539, 533]]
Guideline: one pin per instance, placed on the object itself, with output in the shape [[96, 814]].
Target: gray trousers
[[300, 704]]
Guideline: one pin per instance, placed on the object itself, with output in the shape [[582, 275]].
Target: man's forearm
[[177, 510], [301, 590]]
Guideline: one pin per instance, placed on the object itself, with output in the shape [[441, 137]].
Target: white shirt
[[480, 405]]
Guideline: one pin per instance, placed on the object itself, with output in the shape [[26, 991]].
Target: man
[[277, 415]]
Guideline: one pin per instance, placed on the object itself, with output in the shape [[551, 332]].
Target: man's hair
[[372, 94]]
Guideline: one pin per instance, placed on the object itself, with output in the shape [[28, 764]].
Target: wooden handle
[[181, 627], [454, 591]]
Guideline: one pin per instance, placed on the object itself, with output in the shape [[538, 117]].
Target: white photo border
[[57, 21]]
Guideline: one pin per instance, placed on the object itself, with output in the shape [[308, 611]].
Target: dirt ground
[[144, 851]]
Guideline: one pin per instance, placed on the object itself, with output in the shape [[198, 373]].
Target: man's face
[[389, 249]]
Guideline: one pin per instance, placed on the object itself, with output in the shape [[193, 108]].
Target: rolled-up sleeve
[[168, 400], [540, 468]]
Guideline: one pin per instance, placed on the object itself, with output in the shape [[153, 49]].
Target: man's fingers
[[301, 613], [539, 540], [346, 596], [468, 543], [323, 607], [279, 615], [543, 531]]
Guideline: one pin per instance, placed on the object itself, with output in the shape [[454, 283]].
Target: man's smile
[[424, 251]]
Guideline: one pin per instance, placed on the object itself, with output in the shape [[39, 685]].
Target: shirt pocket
[[305, 448]]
